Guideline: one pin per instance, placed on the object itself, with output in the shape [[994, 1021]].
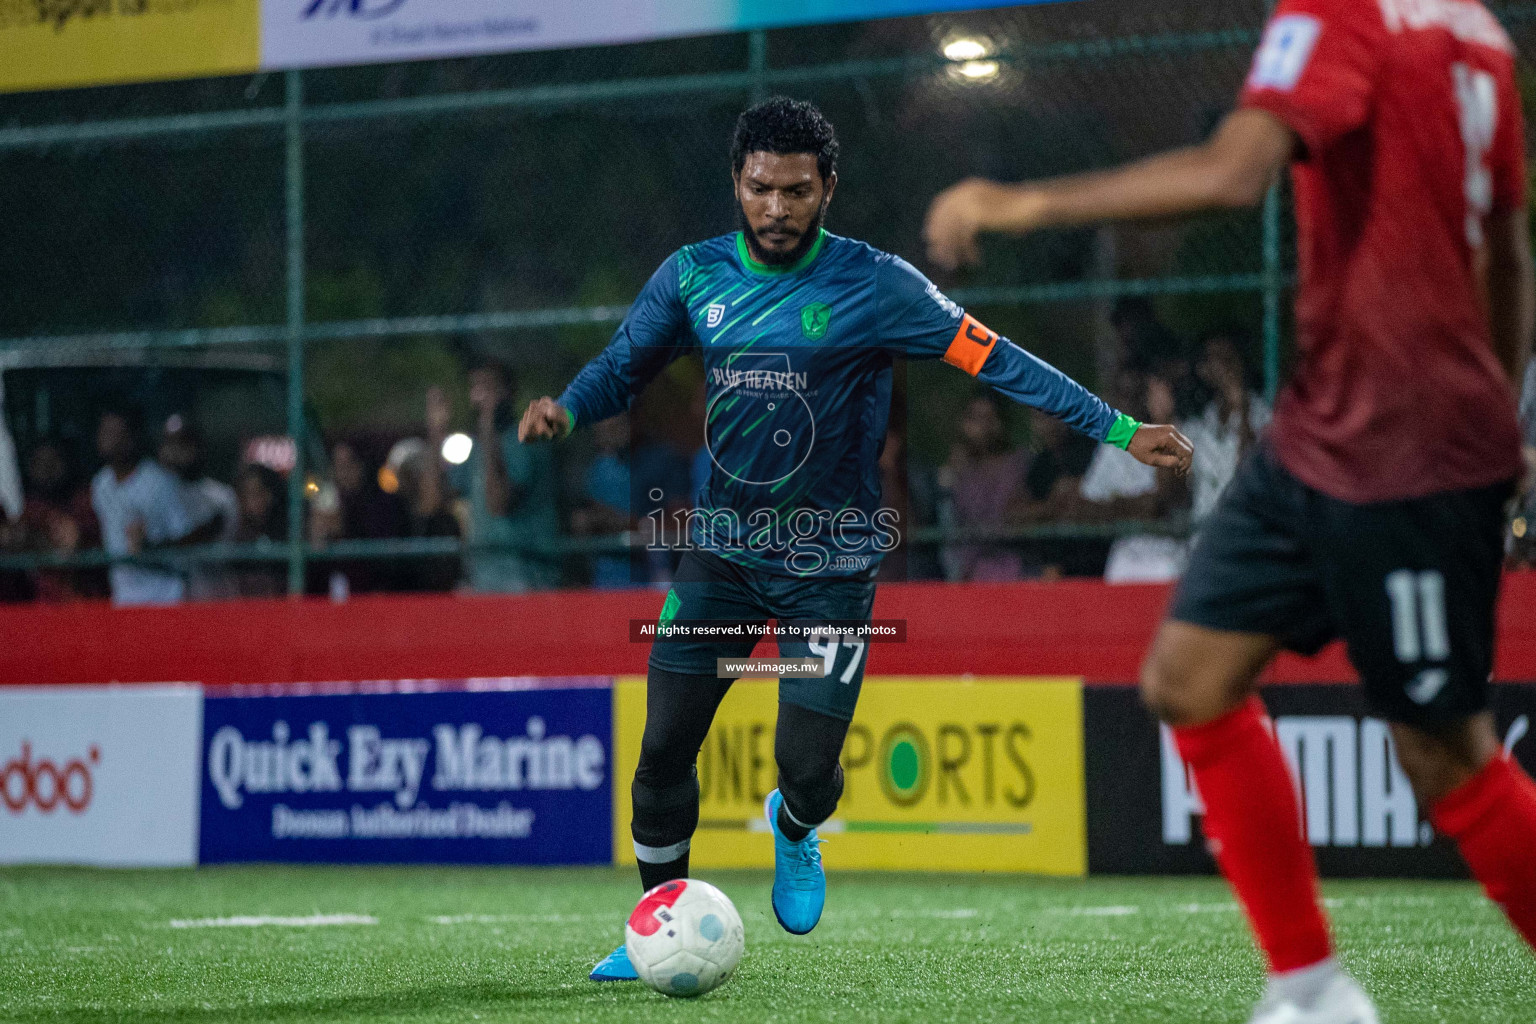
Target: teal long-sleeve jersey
[[797, 365]]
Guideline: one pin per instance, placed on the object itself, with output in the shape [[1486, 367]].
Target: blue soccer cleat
[[799, 884], [615, 967]]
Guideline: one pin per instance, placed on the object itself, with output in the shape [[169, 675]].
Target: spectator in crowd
[[510, 487], [907, 486], [660, 486], [1148, 346], [262, 519], [1522, 541], [14, 586], [11, 499], [210, 504], [1119, 489], [354, 507], [56, 517], [982, 479], [139, 505], [424, 494], [1228, 426], [1059, 456], [605, 506]]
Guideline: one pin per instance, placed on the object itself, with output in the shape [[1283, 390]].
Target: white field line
[[1112, 911], [312, 921], [517, 918]]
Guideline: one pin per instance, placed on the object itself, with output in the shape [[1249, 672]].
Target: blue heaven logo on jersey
[[758, 428], [815, 318], [714, 314]]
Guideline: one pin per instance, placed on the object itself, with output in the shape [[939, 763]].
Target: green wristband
[[570, 419], [1121, 431]]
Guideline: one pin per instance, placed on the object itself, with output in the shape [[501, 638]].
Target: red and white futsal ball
[[684, 938]]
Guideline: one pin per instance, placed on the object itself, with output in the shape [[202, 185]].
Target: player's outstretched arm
[[920, 322], [652, 335], [1232, 169]]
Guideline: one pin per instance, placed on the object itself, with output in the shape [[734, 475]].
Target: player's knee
[[1441, 760], [1164, 689], [1179, 690]]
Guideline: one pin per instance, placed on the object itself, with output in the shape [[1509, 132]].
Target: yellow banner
[[941, 775], [52, 44]]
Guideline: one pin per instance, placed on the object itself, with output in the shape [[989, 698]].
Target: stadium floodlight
[[978, 70], [456, 448], [966, 48]]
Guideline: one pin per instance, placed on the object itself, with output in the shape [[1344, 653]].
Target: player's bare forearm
[[1511, 292], [1162, 446], [1232, 169], [543, 420]]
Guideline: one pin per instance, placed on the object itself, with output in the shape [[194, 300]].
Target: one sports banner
[[487, 771], [941, 774], [51, 44]]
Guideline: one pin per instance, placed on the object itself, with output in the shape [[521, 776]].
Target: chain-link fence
[[328, 243]]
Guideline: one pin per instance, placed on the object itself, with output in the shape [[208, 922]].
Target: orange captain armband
[[971, 345]]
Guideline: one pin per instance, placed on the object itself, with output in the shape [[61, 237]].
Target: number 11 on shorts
[[1418, 616], [1418, 629]]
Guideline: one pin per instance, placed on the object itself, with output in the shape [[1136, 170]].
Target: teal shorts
[[709, 588]]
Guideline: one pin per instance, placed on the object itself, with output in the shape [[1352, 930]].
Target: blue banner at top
[[312, 33], [519, 777]]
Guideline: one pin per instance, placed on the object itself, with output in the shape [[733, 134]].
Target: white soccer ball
[[684, 938]]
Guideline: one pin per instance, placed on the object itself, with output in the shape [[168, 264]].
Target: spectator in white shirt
[[1117, 488], [140, 508], [1228, 427], [211, 505]]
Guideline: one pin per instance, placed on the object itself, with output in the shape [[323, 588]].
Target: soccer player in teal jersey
[[798, 330]]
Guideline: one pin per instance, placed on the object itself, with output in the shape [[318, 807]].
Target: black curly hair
[[783, 125]]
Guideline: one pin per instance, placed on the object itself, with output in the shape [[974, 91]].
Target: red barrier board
[[1080, 628]]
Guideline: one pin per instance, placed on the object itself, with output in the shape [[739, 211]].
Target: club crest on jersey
[[713, 314], [815, 319]]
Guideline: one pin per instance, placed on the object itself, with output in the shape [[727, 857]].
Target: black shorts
[[1409, 586], [707, 588]]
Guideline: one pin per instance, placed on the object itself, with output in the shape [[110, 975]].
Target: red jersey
[[1411, 137]]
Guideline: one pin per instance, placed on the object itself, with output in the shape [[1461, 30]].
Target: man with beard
[[797, 329]]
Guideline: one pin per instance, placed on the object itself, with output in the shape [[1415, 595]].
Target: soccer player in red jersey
[[1373, 510]]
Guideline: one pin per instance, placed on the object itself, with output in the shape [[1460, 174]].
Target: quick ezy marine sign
[[499, 777]]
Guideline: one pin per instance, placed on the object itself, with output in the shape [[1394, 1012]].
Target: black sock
[[652, 875], [793, 831]]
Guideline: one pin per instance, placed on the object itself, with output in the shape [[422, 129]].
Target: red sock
[[1253, 824], [1492, 817]]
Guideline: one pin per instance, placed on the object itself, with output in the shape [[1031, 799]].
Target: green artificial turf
[[514, 945]]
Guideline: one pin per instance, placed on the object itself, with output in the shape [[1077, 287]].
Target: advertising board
[[51, 44], [100, 775], [1360, 813], [940, 774], [485, 775]]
